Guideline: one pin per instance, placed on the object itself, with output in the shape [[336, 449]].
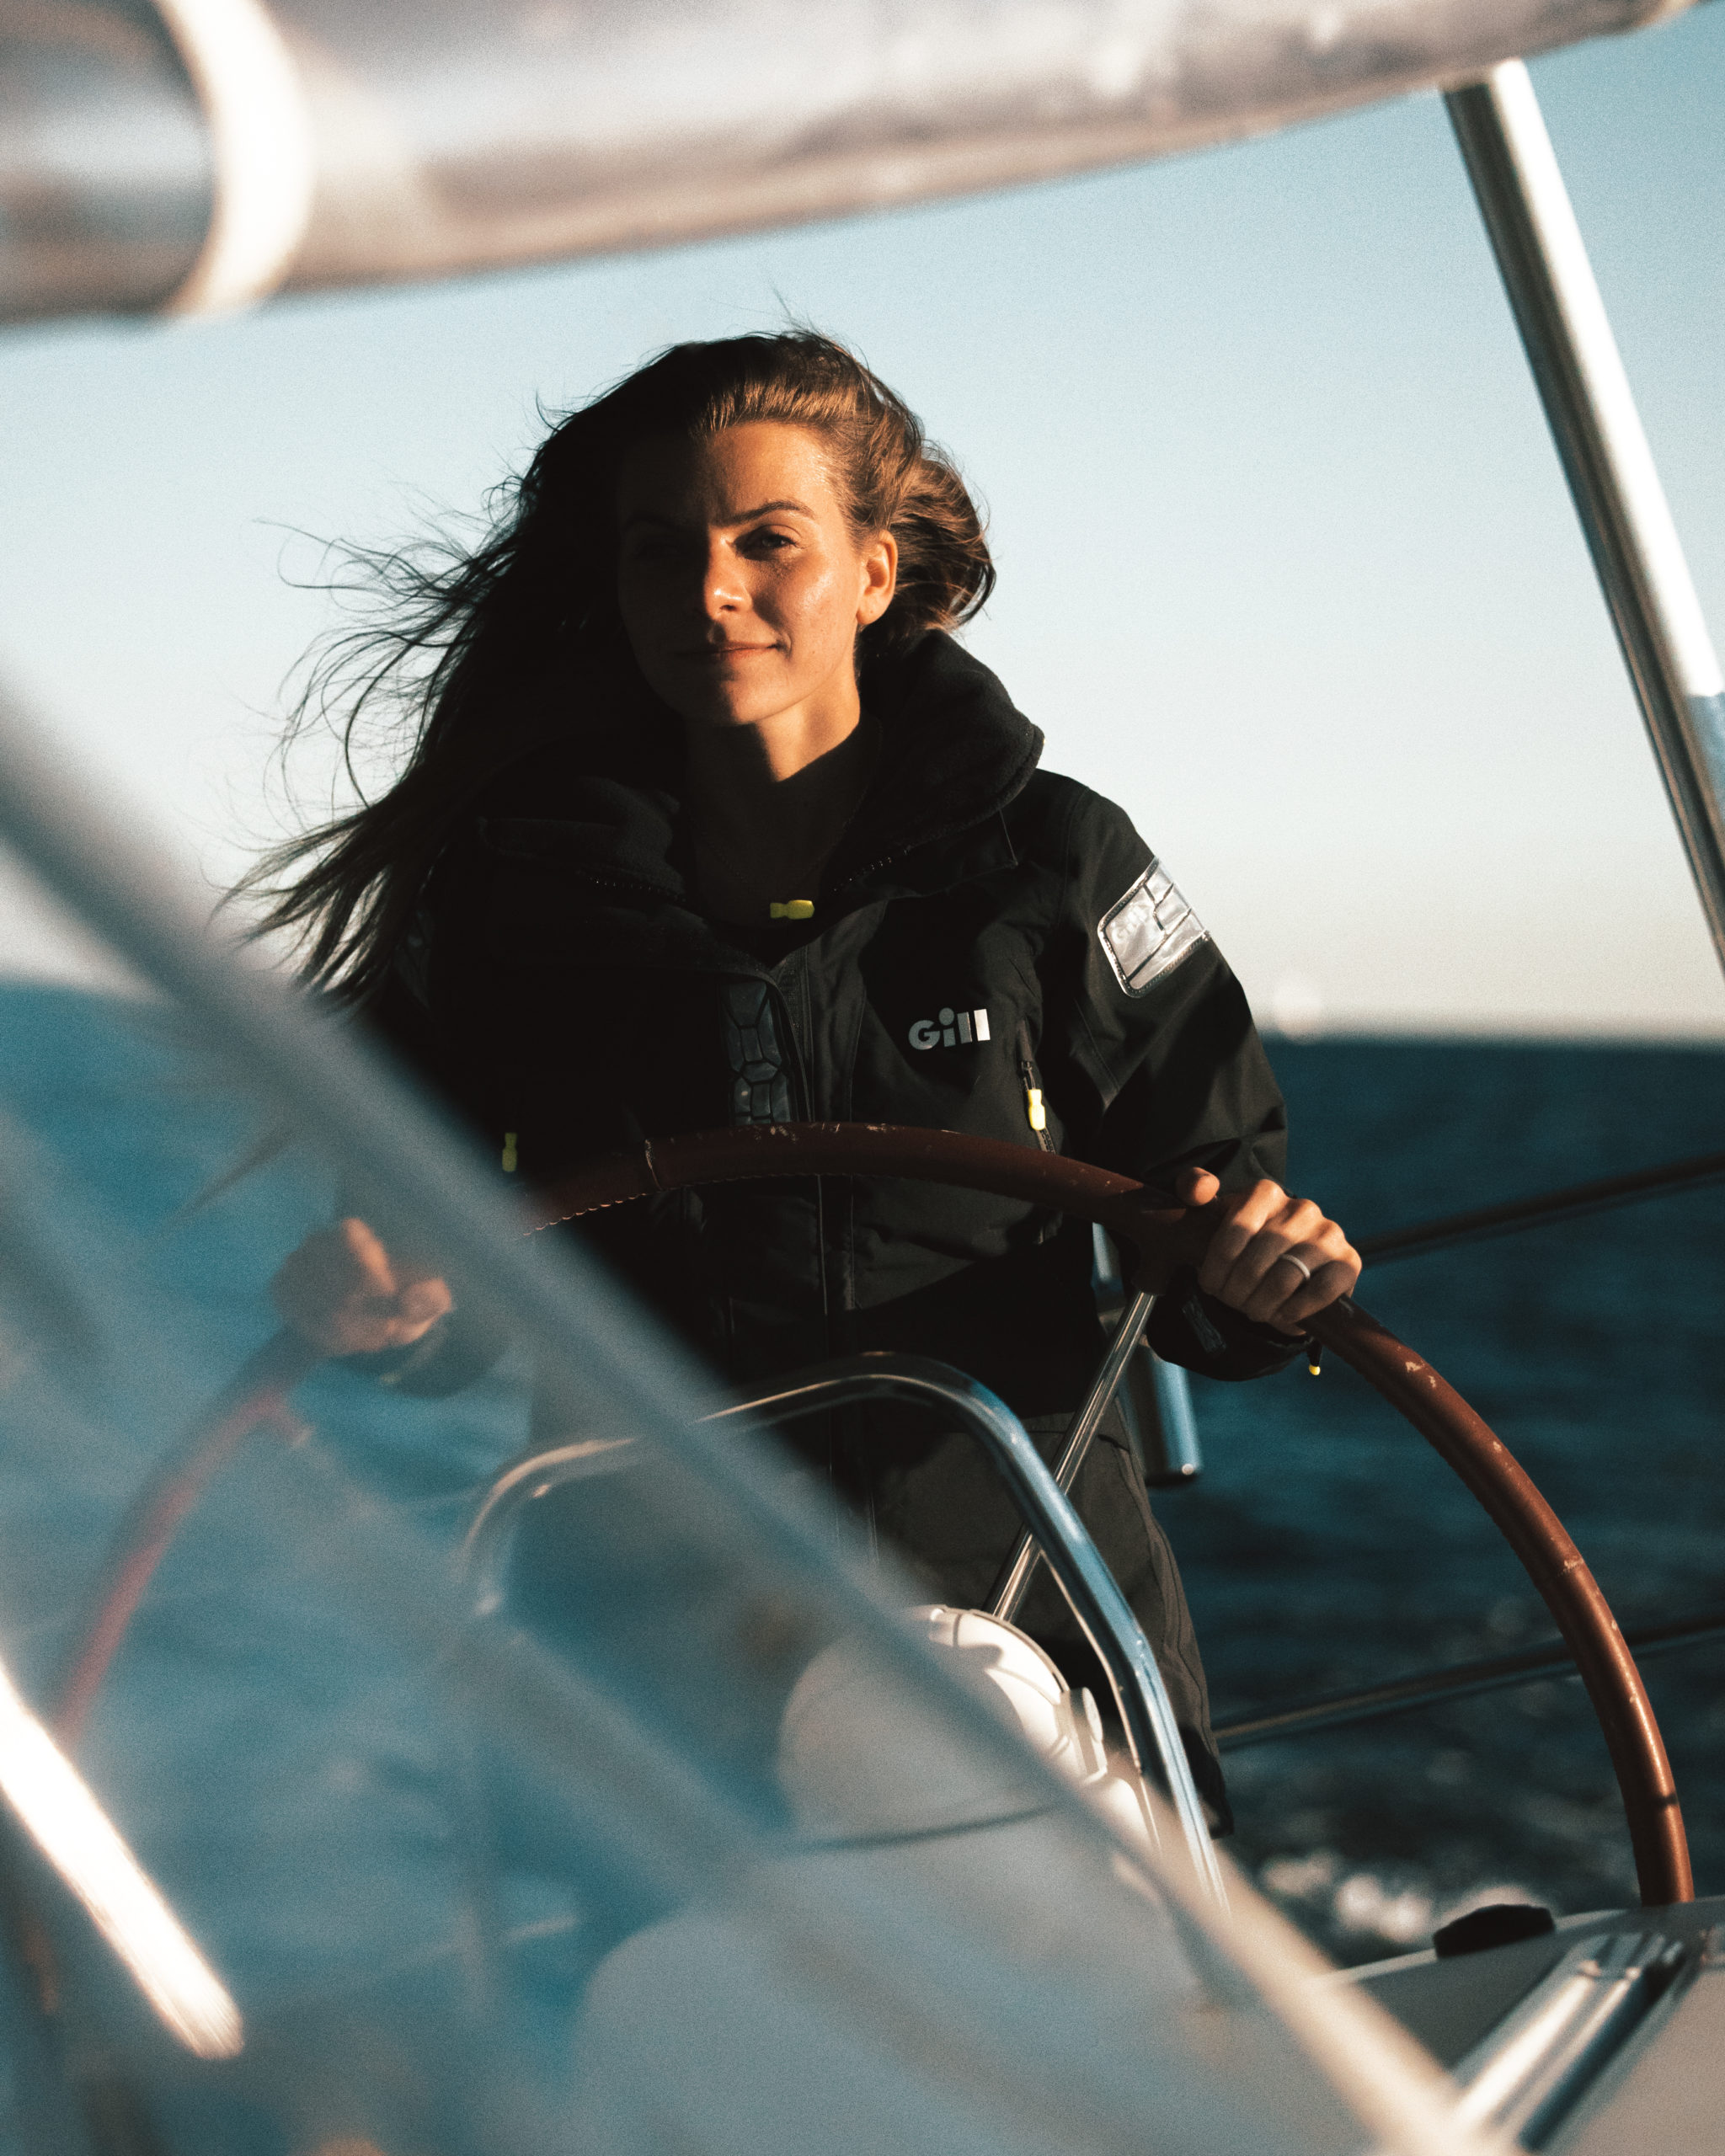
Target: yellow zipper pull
[[512, 1158], [1037, 1113]]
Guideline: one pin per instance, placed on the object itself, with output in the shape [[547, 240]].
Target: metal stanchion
[[1605, 457]]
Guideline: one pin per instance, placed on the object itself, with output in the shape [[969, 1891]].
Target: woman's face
[[741, 585]]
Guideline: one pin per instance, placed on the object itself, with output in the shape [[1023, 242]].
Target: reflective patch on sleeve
[[1148, 931]]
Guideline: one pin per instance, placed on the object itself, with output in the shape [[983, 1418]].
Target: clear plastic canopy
[[323, 1838]]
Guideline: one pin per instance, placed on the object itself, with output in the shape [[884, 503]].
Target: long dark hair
[[479, 656]]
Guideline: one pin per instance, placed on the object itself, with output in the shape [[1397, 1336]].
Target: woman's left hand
[[1272, 1257]]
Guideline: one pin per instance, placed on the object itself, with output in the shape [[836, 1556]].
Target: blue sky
[[1287, 563]]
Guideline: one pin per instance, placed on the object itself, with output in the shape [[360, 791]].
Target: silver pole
[[1014, 1583], [1605, 458]]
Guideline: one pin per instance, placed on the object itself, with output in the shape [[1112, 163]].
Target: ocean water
[[1324, 1546], [1327, 1546]]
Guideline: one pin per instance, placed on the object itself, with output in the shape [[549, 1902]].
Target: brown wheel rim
[[1165, 1237]]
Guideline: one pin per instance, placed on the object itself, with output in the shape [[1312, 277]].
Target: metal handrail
[[1102, 1610], [1463, 1680], [1103, 1614], [485, 1546], [1576, 1202], [1536, 2066]]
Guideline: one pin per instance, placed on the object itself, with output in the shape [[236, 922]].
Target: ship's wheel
[[1161, 1237]]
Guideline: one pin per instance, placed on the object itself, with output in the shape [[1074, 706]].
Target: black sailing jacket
[[994, 950]]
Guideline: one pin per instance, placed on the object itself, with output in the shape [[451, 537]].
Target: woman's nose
[[724, 590]]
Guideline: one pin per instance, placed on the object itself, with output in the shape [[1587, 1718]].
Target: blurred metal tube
[[1103, 1612], [461, 135], [265, 159], [105, 172], [1605, 459]]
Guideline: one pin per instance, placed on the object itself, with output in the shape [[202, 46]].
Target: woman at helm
[[708, 819]]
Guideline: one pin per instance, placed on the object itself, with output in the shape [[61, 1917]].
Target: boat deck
[[1656, 2087]]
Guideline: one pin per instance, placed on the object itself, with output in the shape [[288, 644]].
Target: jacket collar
[[954, 753]]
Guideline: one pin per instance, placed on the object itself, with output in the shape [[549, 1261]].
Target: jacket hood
[[955, 751]]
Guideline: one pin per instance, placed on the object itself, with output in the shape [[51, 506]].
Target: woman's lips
[[710, 652]]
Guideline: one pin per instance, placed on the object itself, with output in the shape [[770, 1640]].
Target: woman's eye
[[768, 542], [655, 550]]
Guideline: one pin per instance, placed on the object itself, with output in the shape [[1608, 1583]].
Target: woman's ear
[[880, 577]]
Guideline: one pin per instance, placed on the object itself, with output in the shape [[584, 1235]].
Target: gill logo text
[[952, 1029]]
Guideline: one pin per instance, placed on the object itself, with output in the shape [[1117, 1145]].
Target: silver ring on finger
[[1298, 1263]]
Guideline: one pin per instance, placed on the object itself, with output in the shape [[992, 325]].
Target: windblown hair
[[478, 657]]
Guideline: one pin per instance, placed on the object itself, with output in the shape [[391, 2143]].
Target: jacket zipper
[[796, 1077], [840, 1422], [1035, 1109]]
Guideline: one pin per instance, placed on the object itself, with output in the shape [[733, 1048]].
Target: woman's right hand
[[342, 1290]]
